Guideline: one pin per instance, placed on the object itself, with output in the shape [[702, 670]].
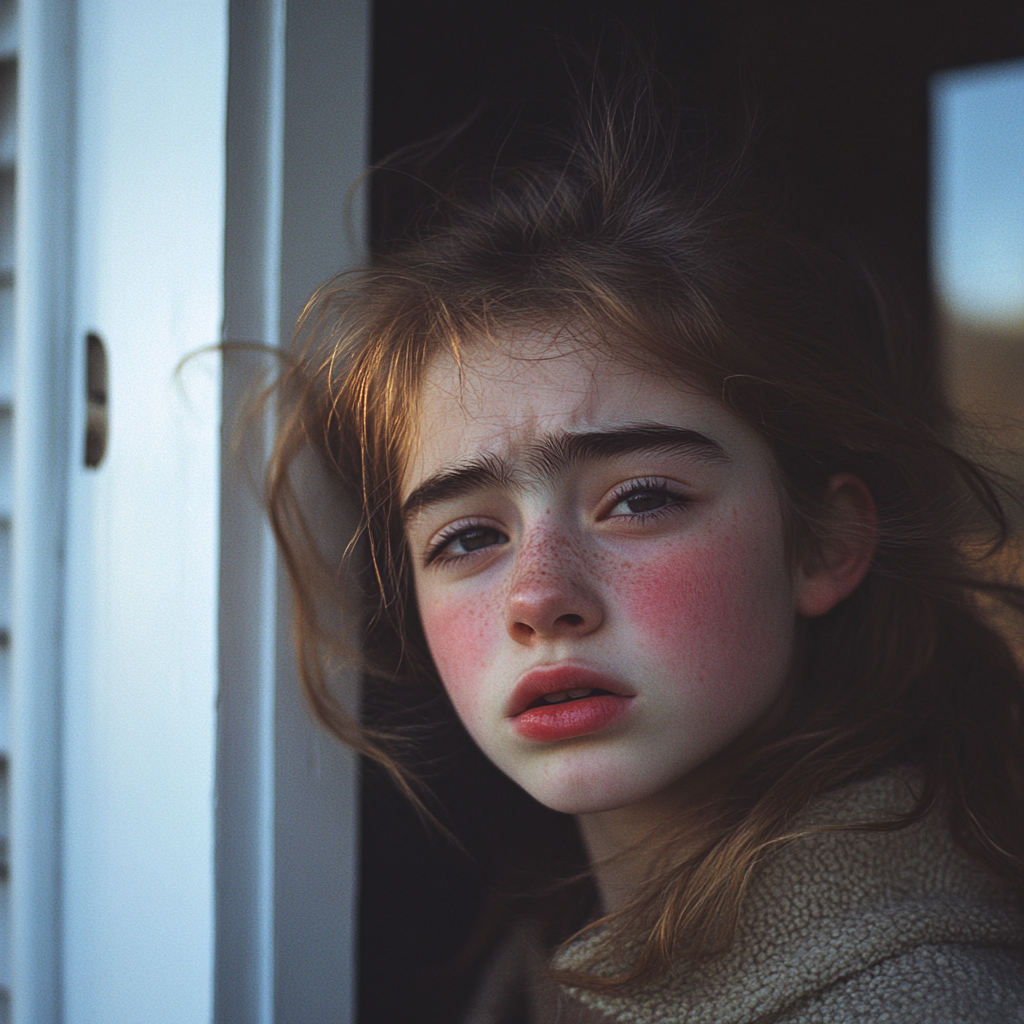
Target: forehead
[[505, 393]]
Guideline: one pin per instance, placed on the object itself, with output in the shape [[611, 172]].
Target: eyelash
[[436, 552], [647, 485]]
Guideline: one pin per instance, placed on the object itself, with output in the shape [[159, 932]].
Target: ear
[[833, 572]]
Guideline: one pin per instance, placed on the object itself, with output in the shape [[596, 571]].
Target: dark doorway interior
[[840, 92]]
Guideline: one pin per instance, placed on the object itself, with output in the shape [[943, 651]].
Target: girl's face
[[600, 568]]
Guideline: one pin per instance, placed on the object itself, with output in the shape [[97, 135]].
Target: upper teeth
[[564, 695]]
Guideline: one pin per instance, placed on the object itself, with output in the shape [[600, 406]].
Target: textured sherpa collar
[[826, 907]]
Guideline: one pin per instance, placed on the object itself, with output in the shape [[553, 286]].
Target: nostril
[[570, 620]]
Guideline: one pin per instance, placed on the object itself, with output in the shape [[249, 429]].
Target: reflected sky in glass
[[978, 192]]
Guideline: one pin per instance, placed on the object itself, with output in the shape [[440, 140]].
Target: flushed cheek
[[462, 633], [717, 612]]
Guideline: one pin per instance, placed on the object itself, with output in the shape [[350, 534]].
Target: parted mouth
[[564, 696], [559, 684]]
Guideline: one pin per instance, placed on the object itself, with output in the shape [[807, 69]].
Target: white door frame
[[268, 849], [287, 794]]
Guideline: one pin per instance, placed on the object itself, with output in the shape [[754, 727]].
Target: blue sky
[[978, 190]]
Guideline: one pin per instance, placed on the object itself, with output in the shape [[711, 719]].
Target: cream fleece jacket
[[842, 927]]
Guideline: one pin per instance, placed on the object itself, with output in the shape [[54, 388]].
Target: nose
[[551, 595]]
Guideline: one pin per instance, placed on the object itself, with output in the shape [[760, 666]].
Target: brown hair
[[606, 236]]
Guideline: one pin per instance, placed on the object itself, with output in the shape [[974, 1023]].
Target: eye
[[646, 501], [642, 498], [459, 543]]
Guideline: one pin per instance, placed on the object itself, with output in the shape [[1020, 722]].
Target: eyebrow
[[556, 453]]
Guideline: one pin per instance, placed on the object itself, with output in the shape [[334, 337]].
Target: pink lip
[[552, 722]]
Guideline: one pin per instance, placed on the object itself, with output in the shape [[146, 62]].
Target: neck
[[623, 844], [617, 843]]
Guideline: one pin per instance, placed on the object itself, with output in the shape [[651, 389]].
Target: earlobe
[[836, 570]]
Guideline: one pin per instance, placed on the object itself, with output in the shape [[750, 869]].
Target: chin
[[587, 794]]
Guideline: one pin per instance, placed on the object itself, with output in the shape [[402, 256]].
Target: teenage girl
[[651, 489]]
